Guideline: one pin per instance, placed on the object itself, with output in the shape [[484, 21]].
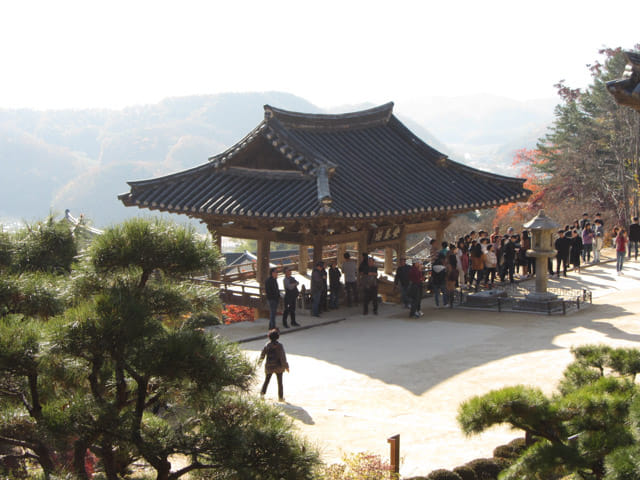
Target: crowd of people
[[475, 261]]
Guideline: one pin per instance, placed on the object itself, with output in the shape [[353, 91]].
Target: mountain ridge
[[82, 159]]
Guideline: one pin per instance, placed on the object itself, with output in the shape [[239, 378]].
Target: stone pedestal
[[541, 228]]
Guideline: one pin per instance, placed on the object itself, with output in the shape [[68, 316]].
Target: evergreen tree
[[591, 154], [120, 375], [589, 430]]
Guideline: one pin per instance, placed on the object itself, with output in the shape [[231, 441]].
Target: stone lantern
[[542, 228]]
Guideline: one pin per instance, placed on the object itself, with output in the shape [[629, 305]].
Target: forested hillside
[[82, 159]]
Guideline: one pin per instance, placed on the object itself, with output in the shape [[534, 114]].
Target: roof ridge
[[333, 121]]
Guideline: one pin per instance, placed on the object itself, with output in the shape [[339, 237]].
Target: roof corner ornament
[[322, 182], [626, 90]]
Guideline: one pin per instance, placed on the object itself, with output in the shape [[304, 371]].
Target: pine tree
[[119, 375], [591, 153], [590, 429]]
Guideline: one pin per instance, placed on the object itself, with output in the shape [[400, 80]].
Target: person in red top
[[416, 277], [621, 249]]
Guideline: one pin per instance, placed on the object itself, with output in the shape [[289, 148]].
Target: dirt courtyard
[[357, 382]]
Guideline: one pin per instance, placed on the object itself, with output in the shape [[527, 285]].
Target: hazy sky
[[76, 54]]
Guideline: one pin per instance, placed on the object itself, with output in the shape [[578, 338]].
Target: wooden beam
[[426, 226]]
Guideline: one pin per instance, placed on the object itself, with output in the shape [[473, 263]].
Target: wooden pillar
[[317, 249], [363, 245], [442, 225], [342, 247], [264, 246], [303, 259], [388, 260], [401, 250], [217, 241]]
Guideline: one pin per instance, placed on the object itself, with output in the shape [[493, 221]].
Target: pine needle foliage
[[589, 430], [116, 376]]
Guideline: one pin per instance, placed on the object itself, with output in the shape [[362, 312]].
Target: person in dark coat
[[509, 256], [402, 280], [439, 281], [370, 288], [334, 285], [273, 296], [318, 287], [416, 279], [290, 285], [563, 247], [576, 250], [276, 362]]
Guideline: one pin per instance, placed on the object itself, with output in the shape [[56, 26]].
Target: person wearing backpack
[[439, 281], [276, 362]]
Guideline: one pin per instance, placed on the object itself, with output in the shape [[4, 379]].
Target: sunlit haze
[[77, 54]]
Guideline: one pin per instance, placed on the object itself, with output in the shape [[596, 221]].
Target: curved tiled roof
[[353, 165], [626, 90]]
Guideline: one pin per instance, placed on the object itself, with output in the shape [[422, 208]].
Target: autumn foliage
[[517, 213], [236, 313]]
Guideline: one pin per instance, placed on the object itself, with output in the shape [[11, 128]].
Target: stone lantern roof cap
[[541, 222]]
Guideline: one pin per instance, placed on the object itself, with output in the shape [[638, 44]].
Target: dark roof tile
[[375, 167]]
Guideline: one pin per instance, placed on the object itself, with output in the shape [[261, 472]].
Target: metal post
[[394, 443]]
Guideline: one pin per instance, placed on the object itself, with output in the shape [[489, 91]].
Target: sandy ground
[[356, 382]]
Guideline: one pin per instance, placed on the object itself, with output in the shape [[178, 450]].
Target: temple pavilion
[[316, 179]]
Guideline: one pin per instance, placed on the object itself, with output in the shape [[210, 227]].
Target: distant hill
[[82, 159], [483, 131]]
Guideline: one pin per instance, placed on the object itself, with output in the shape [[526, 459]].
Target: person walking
[[334, 285], [509, 257], [402, 280], [350, 270], [273, 296], [416, 279], [634, 237], [598, 231], [621, 249], [452, 277], [576, 250], [477, 265], [276, 363], [563, 248], [318, 281], [370, 286], [290, 285], [587, 242], [490, 265], [439, 281]]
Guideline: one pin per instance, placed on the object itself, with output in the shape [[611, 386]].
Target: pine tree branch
[[190, 468], [18, 443]]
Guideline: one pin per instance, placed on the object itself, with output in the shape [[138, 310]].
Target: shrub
[[237, 313], [201, 320], [485, 468], [359, 466], [518, 444], [505, 451], [443, 474], [466, 473]]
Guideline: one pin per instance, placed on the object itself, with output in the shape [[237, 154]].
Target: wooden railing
[[236, 293]]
